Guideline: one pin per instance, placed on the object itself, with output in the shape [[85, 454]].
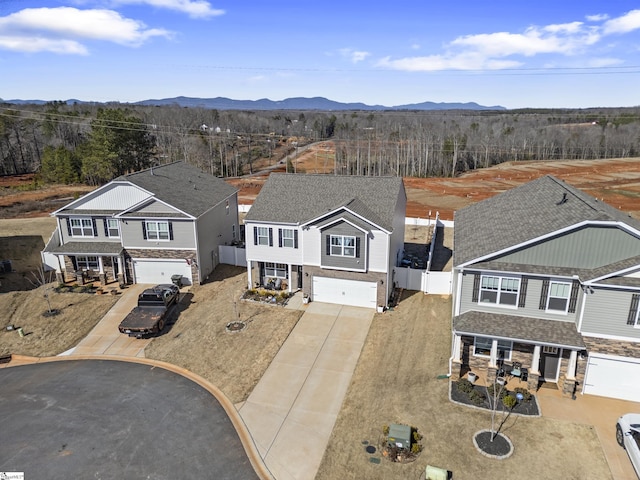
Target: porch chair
[[278, 284], [516, 369]]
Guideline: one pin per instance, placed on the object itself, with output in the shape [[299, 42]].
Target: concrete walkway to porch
[[293, 408], [600, 412]]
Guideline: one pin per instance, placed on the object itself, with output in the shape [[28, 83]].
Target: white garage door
[[160, 271], [611, 376], [345, 292]]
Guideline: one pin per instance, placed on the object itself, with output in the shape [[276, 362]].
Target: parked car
[[628, 437]]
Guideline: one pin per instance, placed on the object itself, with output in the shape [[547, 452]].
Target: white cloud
[[354, 56], [62, 29], [193, 8], [597, 18], [624, 24], [434, 63]]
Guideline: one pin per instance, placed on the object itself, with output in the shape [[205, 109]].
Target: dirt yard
[[199, 342], [396, 381]]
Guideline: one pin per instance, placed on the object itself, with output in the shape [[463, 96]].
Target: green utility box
[[399, 436]]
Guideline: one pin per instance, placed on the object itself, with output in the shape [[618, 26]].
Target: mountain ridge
[[293, 103]]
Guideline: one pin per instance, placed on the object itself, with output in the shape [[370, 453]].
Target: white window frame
[[81, 227], [263, 236], [486, 352], [156, 234], [551, 296], [637, 324], [113, 231], [549, 350], [288, 241], [276, 270], [87, 262], [502, 287], [340, 248]]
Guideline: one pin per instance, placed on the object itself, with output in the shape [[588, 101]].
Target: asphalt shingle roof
[[297, 198], [529, 211], [525, 329], [182, 186]]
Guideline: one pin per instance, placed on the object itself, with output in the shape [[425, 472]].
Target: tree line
[[94, 143]]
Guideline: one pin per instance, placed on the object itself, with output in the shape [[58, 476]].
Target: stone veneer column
[[492, 373], [533, 378]]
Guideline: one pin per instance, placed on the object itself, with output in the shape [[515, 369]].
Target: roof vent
[[563, 200]]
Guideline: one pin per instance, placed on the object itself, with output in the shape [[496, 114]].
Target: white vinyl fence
[[233, 255]]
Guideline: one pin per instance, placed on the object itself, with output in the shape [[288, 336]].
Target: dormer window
[[343, 246]]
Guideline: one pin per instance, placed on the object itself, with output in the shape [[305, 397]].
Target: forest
[[94, 143]]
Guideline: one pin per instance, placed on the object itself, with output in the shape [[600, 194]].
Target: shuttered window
[[157, 230], [82, 227], [632, 319]]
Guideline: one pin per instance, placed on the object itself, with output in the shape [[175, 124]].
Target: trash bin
[[177, 280]]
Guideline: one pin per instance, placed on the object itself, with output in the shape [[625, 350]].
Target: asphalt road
[[103, 419]]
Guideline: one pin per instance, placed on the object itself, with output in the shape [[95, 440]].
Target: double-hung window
[[343, 246], [482, 348], [113, 229], [87, 263], [499, 290], [277, 270], [81, 227], [157, 230], [558, 299], [263, 236], [288, 238]]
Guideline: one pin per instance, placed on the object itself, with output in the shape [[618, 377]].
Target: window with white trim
[[157, 230], [277, 270], [482, 348], [558, 299], [343, 246], [499, 290], [288, 238], [81, 227], [113, 228], [87, 263], [263, 236]]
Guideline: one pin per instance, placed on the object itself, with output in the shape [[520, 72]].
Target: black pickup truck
[[155, 305]]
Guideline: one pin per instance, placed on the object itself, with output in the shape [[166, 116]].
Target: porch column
[[100, 265], [122, 278], [571, 368], [493, 360], [456, 348], [250, 283], [289, 277], [535, 360]]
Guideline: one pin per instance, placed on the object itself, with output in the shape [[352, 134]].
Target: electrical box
[[399, 436]]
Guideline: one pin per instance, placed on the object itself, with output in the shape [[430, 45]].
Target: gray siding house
[[337, 238], [548, 277], [146, 227]]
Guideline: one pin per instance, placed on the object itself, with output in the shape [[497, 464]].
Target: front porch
[[274, 276], [83, 263], [526, 351]]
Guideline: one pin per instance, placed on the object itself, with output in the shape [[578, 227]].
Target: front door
[[300, 276], [549, 363]]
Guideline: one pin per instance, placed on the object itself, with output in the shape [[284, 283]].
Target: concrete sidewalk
[[291, 412], [105, 338]]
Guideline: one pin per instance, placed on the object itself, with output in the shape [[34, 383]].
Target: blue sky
[[516, 53]]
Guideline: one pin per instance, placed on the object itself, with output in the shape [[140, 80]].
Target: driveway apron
[[106, 339], [291, 412]]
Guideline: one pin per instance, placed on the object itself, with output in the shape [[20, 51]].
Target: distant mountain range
[[297, 103]]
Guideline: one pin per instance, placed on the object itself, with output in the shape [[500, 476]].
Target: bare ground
[[396, 382], [199, 342], [48, 336]]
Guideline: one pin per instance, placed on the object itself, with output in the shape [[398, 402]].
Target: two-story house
[[337, 238], [146, 227], [548, 277]]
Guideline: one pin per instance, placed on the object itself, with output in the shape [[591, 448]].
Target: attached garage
[[160, 271], [613, 376], [345, 292]]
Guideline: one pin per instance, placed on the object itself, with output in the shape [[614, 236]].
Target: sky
[[515, 53]]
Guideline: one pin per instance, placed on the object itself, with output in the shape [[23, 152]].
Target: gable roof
[[182, 186], [300, 198], [529, 211]]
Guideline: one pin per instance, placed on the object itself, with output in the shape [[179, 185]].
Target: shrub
[[464, 385], [416, 448], [476, 397], [385, 430], [509, 401]]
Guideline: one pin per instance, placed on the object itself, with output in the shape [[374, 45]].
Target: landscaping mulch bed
[[499, 447], [523, 408]]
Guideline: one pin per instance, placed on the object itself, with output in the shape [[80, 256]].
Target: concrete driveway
[[105, 339], [111, 419], [291, 412], [600, 412]]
